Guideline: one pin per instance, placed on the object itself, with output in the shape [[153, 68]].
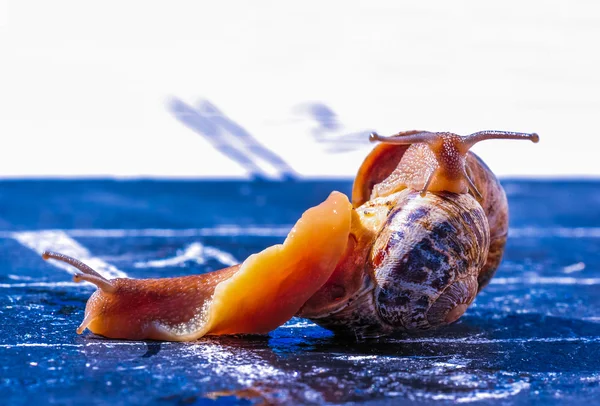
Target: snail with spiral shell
[[424, 234]]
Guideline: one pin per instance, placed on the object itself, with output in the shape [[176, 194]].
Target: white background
[[85, 88]]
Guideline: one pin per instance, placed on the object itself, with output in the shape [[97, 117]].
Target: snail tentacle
[[423, 191], [88, 274], [71, 261], [406, 137], [470, 140], [101, 283], [472, 186], [442, 150]]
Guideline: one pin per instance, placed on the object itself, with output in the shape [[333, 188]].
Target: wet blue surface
[[531, 337]]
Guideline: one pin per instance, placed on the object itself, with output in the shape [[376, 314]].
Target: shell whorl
[[373, 305], [424, 263], [427, 258]]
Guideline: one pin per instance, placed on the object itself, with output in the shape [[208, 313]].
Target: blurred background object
[[99, 90], [230, 139]]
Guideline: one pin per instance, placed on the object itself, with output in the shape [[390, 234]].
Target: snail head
[[435, 161], [108, 310]]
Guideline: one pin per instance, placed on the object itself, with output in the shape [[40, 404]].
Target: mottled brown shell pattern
[[422, 259], [427, 259], [494, 204], [423, 263]]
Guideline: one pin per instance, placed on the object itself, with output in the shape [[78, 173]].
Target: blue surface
[[531, 337]]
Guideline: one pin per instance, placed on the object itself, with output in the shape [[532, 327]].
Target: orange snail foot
[[271, 286]]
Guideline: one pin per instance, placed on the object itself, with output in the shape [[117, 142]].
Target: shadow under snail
[[425, 232]]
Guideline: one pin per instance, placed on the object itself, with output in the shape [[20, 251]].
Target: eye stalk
[[435, 161], [87, 274]]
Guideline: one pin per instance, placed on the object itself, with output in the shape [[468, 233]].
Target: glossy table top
[[532, 336]]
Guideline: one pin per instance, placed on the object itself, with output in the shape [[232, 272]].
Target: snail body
[[257, 296], [420, 256], [424, 234]]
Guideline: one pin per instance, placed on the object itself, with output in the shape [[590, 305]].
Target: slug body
[[424, 234]]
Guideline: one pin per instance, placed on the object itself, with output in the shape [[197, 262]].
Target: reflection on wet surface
[[532, 336]]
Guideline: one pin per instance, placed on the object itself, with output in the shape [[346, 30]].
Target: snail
[[425, 232], [257, 296]]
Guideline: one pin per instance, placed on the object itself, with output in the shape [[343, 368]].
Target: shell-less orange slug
[[425, 233]]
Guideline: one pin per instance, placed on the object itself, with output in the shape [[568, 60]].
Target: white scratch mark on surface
[[196, 252], [554, 232], [579, 266], [89, 344], [480, 341], [512, 390], [217, 231], [353, 358], [299, 324], [41, 285], [245, 366], [54, 240], [545, 280]]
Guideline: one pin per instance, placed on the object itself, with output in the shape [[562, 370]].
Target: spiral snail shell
[[424, 234]]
